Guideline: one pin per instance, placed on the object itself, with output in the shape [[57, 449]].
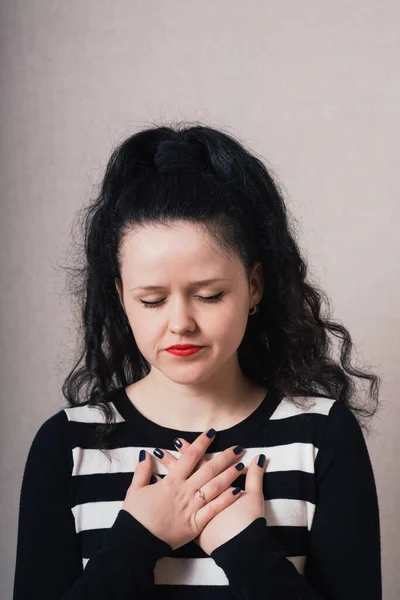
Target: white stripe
[[297, 456], [283, 512], [197, 571], [188, 571], [278, 512], [299, 562], [90, 414], [96, 515], [286, 408]]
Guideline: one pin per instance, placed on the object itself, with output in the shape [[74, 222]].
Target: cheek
[[143, 328], [229, 327]]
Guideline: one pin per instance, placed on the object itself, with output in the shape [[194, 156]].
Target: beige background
[[311, 86]]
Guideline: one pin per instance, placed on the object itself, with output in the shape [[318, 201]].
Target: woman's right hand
[[172, 508]]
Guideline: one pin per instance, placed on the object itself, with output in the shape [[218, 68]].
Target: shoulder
[[328, 423], [327, 414], [341, 425], [50, 450], [93, 413], [57, 435], [301, 406], [51, 432], [341, 443]]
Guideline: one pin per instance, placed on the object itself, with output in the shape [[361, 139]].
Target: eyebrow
[[191, 283]]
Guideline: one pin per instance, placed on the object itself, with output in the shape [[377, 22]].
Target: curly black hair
[[205, 176]]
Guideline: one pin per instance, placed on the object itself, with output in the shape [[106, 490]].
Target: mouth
[[184, 351], [183, 347]]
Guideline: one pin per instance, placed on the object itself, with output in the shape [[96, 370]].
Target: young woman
[[210, 446]]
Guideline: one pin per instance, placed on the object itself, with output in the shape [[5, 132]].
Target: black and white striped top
[[320, 538]]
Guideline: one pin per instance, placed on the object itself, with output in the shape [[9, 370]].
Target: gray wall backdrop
[[313, 87]]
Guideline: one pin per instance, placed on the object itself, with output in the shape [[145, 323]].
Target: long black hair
[[205, 176]]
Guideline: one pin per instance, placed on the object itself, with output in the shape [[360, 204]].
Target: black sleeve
[[48, 561], [343, 561]]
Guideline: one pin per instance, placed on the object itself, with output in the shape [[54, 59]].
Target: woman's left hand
[[236, 517]]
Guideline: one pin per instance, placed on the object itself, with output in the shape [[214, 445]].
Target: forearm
[[257, 567]]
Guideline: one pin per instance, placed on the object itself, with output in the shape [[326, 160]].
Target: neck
[[220, 402]]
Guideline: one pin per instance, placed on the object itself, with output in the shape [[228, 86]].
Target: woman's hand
[[172, 509], [235, 517]]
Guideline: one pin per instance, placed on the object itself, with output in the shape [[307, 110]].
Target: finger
[[219, 484], [216, 465], [184, 467], [143, 471], [211, 509], [165, 458], [255, 474], [182, 445]]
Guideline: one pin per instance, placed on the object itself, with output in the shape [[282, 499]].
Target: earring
[[253, 310]]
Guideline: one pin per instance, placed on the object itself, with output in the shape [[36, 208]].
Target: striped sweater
[[319, 540]]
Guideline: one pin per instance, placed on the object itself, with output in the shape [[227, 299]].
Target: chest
[[99, 486]]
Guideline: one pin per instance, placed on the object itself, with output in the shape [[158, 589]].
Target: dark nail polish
[[238, 449], [177, 443], [142, 455], [236, 491], [261, 460], [239, 466], [159, 453], [153, 479], [211, 433]]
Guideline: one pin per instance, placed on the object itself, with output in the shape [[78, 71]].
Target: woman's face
[[174, 260]]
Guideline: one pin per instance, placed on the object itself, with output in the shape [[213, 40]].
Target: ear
[[257, 283]]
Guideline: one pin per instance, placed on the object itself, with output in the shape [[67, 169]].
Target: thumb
[[143, 470]]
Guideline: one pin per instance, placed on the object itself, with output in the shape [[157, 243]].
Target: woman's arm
[[48, 562], [344, 555]]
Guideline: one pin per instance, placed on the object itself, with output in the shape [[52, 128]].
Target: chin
[[194, 374], [188, 378]]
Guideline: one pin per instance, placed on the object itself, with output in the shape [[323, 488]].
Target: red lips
[[183, 347], [185, 350]]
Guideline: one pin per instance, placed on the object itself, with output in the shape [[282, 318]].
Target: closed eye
[[215, 298]]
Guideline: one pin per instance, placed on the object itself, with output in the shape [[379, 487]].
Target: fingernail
[[236, 491], [142, 455], [211, 433], [261, 460], [239, 466], [238, 449], [177, 443], [159, 453]]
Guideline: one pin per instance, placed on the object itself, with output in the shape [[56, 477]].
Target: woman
[[203, 345]]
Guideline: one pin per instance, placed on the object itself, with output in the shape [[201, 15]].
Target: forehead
[[180, 248]]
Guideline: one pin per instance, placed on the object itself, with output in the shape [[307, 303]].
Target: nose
[[180, 319]]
